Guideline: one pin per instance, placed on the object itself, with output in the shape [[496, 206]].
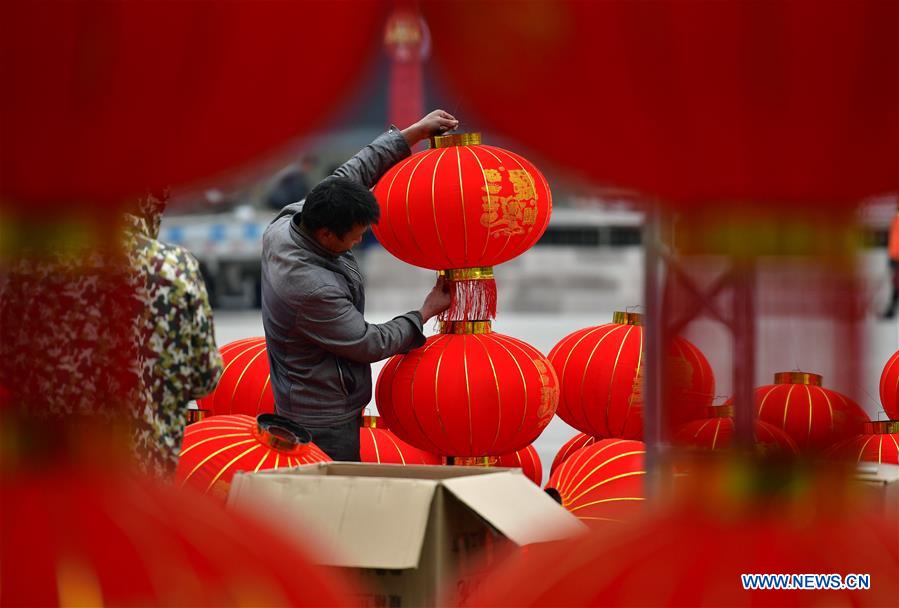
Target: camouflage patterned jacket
[[180, 361]]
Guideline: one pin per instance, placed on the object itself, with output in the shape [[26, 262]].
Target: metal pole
[[744, 353], [652, 357]]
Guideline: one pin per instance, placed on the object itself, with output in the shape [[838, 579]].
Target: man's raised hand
[[435, 123]]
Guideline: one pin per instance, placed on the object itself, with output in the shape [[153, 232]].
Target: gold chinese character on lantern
[[508, 213]]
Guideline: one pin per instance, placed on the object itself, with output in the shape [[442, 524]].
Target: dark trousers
[[340, 442]]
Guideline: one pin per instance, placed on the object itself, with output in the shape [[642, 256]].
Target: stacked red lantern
[[879, 442], [525, 459], [581, 440], [468, 394], [217, 447], [600, 373], [889, 387], [602, 482], [814, 417], [245, 385], [717, 432], [462, 208], [377, 444]]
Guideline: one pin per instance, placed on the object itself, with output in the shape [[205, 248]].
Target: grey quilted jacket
[[319, 345]]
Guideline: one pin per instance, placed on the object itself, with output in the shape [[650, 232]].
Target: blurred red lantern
[[217, 447], [693, 556], [245, 385], [525, 459], [889, 387], [76, 537], [814, 417], [463, 207], [693, 102], [114, 98], [377, 444], [468, 394], [581, 440], [878, 443], [717, 432], [601, 379], [602, 482]]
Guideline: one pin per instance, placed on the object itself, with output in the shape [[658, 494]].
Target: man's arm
[[375, 159], [205, 359]]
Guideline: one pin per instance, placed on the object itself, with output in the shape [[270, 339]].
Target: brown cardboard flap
[[516, 507], [366, 522]]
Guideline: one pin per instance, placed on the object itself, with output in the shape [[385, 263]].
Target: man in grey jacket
[[320, 347]]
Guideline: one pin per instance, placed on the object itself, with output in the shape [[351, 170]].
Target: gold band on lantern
[[720, 411], [370, 422], [465, 327], [455, 139], [797, 378], [467, 274], [627, 318], [278, 442], [882, 427]]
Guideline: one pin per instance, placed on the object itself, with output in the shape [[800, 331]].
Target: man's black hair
[[338, 204]]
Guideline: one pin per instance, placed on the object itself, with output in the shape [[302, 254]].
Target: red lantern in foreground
[[468, 394], [525, 459], [463, 207], [814, 417], [601, 376], [581, 440], [602, 482], [878, 443], [245, 386], [377, 444], [88, 538], [889, 387], [217, 447], [717, 433]]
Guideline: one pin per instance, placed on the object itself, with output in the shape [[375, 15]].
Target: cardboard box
[[881, 482], [410, 534]]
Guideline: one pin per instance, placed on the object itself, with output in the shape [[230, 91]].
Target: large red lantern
[[113, 98], [581, 440], [602, 482], [527, 459], [717, 433], [468, 392], [217, 447], [377, 444], [601, 379], [814, 417], [463, 207], [82, 537], [693, 102], [245, 386], [889, 387], [878, 443]]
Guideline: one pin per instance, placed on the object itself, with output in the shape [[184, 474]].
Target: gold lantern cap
[[373, 422], [455, 139], [475, 273], [797, 378], [465, 327], [720, 411], [281, 433], [627, 318], [882, 427]]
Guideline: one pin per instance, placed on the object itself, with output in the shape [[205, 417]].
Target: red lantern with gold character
[[889, 387], [581, 440], [814, 417], [245, 386], [217, 447], [468, 392], [525, 459], [878, 443], [602, 482], [717, 433], [601, 376], [463, 207], [377, 444]]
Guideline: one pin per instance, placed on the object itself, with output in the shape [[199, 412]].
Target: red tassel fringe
[[472, 300]]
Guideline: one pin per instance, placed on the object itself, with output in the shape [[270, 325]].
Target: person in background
[[290, 185], [320, 347], [893, 253], [179, 358]]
